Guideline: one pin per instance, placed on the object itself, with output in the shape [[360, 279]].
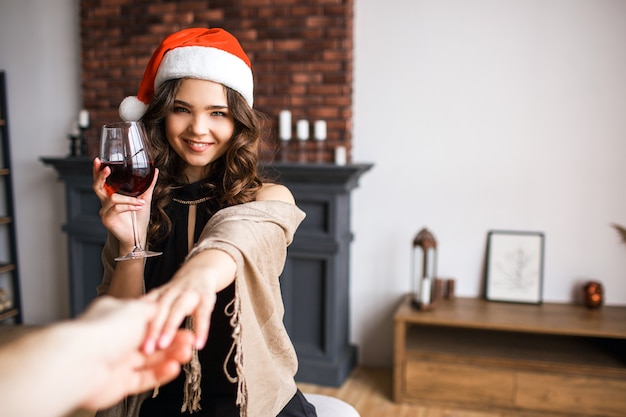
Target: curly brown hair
[[237, 169]]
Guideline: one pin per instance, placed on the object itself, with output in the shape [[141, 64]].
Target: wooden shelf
[[530, 351], [11, 282], [550, 318], [4, 267], [481, 354]]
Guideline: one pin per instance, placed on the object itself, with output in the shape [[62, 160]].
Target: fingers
[[118, 203], [161, 368], [174, 306], [165, 298], [202, 321], [97, 164], [179, 350], [163, 365], [199, 306], [138, 372], [99, 177], [148, 193]]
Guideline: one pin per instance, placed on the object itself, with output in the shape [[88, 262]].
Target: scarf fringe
[[233, 309], [193, 377], [193, 371]]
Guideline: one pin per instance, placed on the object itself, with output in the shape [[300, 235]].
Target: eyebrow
[[209, 107]]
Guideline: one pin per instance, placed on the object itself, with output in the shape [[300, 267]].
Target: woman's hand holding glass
[[128, 164], [115, 206]]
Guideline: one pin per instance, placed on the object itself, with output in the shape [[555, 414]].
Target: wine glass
[[125, 150]]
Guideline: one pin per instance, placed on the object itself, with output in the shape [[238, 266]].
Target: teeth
[[197, 144]]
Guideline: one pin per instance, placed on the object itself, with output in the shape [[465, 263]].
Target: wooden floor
[[369, 391]]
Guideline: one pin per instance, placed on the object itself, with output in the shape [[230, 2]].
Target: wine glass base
[[138, 254]]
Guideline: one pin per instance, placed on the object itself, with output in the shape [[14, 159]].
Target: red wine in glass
[[125, 150], [125, 179]]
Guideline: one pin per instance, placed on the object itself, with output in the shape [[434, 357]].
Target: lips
[[197, 146]]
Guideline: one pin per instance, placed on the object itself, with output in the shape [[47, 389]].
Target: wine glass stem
[[137, 247]]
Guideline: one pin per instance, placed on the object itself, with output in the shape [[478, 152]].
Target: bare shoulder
[[276, 192]]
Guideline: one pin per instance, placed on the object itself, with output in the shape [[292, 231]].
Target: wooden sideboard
[[547, 359], [315, 281]]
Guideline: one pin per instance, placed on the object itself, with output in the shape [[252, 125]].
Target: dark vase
[[593, 294]]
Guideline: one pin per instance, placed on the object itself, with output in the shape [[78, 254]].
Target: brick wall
[[301, 53]]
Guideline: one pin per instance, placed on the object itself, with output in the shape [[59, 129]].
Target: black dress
[[218, 393]]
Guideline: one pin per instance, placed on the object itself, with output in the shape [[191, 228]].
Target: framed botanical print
[[514, 270]]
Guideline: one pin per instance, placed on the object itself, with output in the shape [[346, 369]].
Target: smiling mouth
[[197, 145]]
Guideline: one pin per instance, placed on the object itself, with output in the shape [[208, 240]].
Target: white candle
[[425, 291], [83, 118], [431, 263], [284, 125], [418, 258], [340, 155], [302, 128], [320, 130]]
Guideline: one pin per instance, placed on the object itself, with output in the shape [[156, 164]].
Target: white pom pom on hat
[[206, 54], [132, 109]]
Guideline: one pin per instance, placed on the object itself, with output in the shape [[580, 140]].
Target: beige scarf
[[256, 236]]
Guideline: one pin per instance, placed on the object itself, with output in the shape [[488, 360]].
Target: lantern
[[424, 269]]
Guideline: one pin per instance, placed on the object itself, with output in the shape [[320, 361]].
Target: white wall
[[486, 115], [477, 115], [39, 52]]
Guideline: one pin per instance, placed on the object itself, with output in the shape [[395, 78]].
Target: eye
[[180, 109], [218, 113]]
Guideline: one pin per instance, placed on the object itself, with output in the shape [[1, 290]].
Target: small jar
[[593, 294]]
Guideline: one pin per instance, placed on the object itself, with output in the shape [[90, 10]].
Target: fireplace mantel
[[315, 281]]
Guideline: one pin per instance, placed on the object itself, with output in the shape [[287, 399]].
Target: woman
[[223, 232]]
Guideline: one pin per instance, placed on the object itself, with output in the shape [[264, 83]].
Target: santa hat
[[206, 54]]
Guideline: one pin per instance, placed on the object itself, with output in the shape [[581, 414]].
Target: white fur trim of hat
[[205, 54], [210, 64]]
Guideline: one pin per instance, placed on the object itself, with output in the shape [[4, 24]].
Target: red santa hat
[[206, 54]]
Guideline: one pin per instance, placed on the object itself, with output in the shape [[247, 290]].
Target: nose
[[200, 125]]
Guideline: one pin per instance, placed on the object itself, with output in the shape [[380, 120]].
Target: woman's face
[[200, 125]]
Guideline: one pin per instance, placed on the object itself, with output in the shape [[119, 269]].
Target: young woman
[[223, 232]]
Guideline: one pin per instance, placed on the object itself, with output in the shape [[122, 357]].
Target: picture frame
[[514, 270]]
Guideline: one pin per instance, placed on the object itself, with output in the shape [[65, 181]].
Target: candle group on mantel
[[302, 127], [303, 133]]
